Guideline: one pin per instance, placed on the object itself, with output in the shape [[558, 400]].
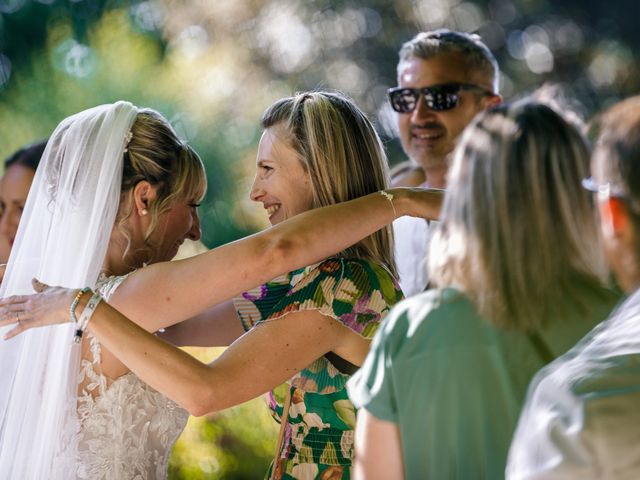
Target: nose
[[195, 232], [256, 192], [422, 111]]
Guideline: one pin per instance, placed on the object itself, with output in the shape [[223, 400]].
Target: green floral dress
[[318, 439]]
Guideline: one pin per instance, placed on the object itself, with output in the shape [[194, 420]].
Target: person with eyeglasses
[[521, 276], [444, 79], [582, 412]]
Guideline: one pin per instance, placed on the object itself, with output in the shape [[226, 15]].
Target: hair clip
[[127, 140]]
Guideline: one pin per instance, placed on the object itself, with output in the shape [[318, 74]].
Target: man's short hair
[[437, 42]]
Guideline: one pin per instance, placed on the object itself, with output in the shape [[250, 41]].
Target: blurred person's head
[[464, 75], [19, 170], [319, 149], [616, 179], [519, 233]]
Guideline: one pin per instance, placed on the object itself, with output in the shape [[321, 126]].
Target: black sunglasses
[[438, 97]]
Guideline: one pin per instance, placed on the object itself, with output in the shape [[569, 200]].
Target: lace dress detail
[[126, 428]]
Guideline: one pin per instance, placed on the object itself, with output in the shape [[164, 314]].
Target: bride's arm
[[261, 359], [163, 294]]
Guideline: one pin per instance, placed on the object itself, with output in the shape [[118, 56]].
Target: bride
[[115, 190]]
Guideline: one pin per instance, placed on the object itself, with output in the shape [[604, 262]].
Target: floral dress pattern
[[318, 438]]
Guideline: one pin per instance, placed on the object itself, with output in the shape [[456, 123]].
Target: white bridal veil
[[62, 240]]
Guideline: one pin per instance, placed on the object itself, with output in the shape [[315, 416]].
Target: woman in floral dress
[[318, 435], [307, 331]]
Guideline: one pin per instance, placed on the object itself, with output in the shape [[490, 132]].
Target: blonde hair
[[157, 155], [518, 232], [341, 151]]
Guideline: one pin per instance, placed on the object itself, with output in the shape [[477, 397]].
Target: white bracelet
[[389, 196], [86, 315]]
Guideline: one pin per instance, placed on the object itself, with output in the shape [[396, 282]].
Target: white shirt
[[581, 418], [412, 237]]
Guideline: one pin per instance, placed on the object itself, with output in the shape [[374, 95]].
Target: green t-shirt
[[454, 383]]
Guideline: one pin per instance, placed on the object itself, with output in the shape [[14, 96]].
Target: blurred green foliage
[[121, 62], [213, 67], [237, 444]]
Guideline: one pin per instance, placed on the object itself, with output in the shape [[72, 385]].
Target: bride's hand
[[49, 306]]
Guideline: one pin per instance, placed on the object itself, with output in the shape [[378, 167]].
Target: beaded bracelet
[[86, 315], [74, 304]]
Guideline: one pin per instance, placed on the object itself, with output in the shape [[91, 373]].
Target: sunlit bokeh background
[[212, 67]]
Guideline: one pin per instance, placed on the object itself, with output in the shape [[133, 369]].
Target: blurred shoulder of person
[[581, 413]]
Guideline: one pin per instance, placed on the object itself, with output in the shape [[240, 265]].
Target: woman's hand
[[418, 202], [47, 307]]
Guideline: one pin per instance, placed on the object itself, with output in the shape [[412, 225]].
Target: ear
[[614, 217], [143, 195]]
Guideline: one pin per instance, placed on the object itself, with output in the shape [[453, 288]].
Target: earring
[[144, 211]]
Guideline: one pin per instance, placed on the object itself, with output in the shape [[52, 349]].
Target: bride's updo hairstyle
[[155, 153]]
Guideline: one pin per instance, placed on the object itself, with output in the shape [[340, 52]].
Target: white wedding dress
[[126, 428], [54, 424]]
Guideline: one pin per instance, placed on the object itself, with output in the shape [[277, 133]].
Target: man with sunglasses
[[582, 413], [444, 79]]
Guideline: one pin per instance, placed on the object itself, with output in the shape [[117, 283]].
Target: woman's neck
[[116, 263], [115, 266]]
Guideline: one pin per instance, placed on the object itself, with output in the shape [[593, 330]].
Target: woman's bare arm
[[258, 361], [217, 326], [376, 439], [166, 293]]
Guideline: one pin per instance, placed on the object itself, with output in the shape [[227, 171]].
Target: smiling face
[[281, 184], [428, 136]]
